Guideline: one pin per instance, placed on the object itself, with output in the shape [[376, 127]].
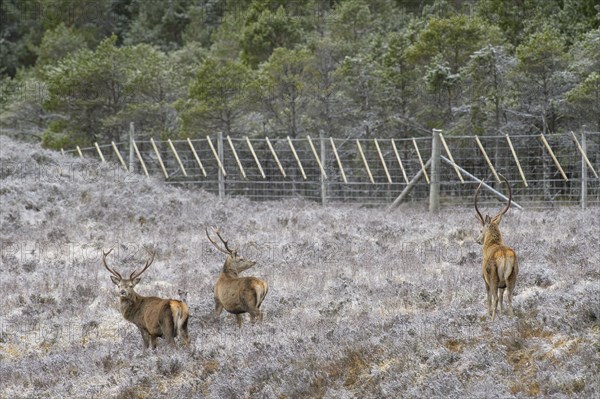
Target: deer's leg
[[185, 336], [238, 318], [153, 341], [145, 337], [218, 308], [510, 308], [489, 299], [511, 287], [512, 280], [168, 335], [494, 293], [255, 315], [168, 328], [500, 297], [509, 300]]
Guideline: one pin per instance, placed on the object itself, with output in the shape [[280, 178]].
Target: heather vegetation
[[362, 302]]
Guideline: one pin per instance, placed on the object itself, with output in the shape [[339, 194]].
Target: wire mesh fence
[[543, 171]]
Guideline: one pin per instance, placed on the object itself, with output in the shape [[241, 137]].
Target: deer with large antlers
[[500, 266], [154, 317], [233, 293]]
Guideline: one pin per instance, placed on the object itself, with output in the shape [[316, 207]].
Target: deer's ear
[[487, 219], [496, 219], [115, 280], [136, 281]]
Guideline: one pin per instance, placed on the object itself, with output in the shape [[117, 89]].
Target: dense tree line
[[74, 72]]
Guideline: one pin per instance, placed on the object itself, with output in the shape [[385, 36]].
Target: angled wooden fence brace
[[583, 154], [262, 173], [177, 157], [411, 184], [399, 161], [387, 173], [296, 157], [423, 167], [119, 157], [560, 169], [237, 159], [451, 158], [314, 151], [487, 159], [324, 162], [198, 161], [275, 157], [160, 161], [512, 150], [131, 150], [79, 151], [221, 176], [483, 184], [216, 155], [137, 152], [339, 162], [364, 159], [99, 152]]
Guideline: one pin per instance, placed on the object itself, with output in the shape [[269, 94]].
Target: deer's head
[[490, 225], [234, 263], [125, 286]]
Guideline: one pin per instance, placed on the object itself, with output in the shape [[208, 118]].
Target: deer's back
[[239, 295], [153, 310]]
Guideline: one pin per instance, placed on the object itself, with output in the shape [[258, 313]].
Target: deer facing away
[[154, 317], [500, 266], [236, 294]]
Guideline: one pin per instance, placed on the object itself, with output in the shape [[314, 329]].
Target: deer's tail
[[261, 291], [180, 312], [506, 265]]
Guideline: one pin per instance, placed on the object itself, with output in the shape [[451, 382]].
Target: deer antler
[[479, 216], [509, 198], [136, 274], [227, 250], [112, 271], [501, 212]]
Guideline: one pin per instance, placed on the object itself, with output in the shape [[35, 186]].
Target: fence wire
[[376, 179]]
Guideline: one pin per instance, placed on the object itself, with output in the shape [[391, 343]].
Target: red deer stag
[[154, 317], [500, 267], [236, 294]]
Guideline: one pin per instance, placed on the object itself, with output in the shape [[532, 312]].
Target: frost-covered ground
[[362, 303]]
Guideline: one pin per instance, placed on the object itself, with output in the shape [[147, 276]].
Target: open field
[[362, 303]]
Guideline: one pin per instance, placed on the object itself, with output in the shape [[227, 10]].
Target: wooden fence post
[[434, 186], [324, 163], [583, 170]]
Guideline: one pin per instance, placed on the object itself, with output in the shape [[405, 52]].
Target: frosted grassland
[[362, 303]]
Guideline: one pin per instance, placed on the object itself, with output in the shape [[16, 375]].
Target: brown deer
[[500, 266], [236, 294], [154, 317]]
